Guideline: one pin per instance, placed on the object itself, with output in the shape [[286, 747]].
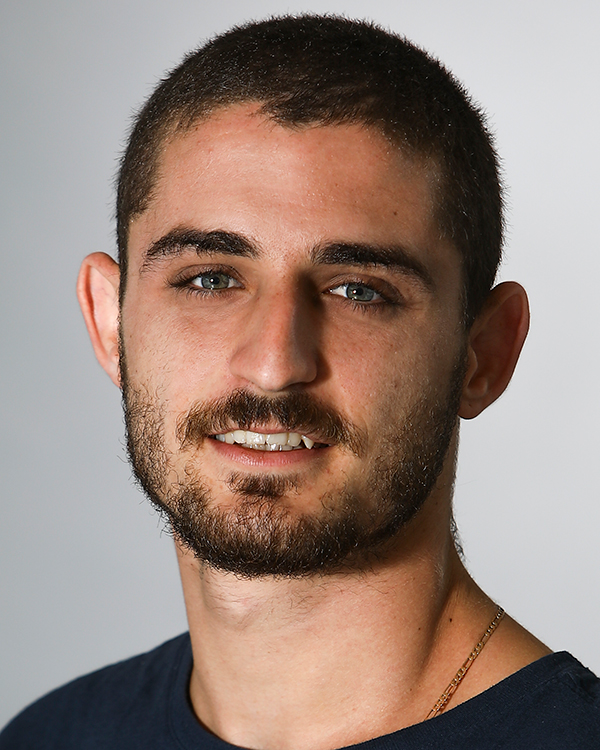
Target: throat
[[290, 652]]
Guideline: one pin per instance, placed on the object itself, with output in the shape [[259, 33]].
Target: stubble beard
[[258, 534]]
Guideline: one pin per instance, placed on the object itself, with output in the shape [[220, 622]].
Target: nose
[[277, 344]]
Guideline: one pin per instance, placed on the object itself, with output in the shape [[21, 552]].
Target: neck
[[282, 663]]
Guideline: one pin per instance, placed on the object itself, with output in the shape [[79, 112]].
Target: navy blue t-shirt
[[143, 703]]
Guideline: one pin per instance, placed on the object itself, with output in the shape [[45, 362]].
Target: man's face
[[288, 288]]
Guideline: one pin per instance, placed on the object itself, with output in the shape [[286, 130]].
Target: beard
[[259, 535]]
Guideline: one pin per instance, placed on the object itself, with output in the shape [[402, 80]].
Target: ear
[[98, 295], [495, 342]]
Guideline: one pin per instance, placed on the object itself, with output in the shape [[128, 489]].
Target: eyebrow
[[394, 257], [182, 240]]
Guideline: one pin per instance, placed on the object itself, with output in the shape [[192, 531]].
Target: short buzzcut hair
[[327, 70]]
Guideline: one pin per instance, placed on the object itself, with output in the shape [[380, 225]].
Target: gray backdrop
[[87, 577]]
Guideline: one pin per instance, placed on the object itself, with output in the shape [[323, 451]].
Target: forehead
[[286, 186]]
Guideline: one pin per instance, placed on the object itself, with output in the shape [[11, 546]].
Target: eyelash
[[386, 301], [359, 284], [185, 282], [389, 297]]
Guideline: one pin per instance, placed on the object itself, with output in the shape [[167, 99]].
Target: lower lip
[[253, 457]]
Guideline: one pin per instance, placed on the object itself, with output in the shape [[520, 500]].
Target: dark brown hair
[[312, 69]]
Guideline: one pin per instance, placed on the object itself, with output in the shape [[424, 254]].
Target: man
[[309, 227]]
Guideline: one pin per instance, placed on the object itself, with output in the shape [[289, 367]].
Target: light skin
[[327, 660]]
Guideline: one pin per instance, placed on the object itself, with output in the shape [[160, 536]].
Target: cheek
[[175, 358], [371, 381], [382, 377]]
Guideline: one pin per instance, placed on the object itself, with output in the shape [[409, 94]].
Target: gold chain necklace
[[442, 701]]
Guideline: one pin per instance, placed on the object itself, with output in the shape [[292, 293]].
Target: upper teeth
[[270, 442]]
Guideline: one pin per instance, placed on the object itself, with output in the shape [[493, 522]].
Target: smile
[[278, 441]]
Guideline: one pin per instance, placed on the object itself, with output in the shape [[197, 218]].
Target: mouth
[[269, 442]]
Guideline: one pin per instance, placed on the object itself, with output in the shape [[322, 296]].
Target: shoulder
[[130, 695], [561, 675], [565, 704], [553, 703]]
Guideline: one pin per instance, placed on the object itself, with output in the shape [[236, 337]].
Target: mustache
[[295, 412]]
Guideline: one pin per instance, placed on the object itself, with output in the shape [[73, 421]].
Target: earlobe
[[98, 295], [495, 342]]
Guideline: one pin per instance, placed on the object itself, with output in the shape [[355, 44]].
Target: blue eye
[[213, 280], [356, 292]]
